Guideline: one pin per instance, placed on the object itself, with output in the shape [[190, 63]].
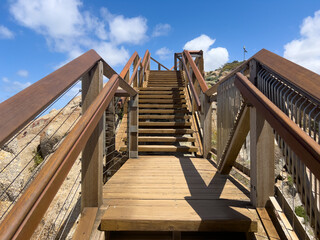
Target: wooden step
[[165, 81], [164, 124], [162, 92], [159, 96], [175, 106], [166, 139], [163, 111], [163, 148], [169, 85], [164, 131], [149, 116], [159, 88], [174, 100], [180, 215]]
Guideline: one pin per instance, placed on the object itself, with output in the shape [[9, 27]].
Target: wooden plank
[[92, 154], [160, 88], [173, 100], [169, 92], [161, 131], [157, 96], [164, 148], [285, 229], [261, 159], [177, 218], [267, 224], [164, 117], [158, 105], [166, 139], [164, 124], [236, 143], [85, 225], [174, 111]]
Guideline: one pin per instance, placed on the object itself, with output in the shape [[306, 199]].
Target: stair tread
[[165, 130], [163, 148], [159, 105], [164, 116], [159, 88], [163, 111], [168, 100], [166, 139], [167, 124], [159, 96]]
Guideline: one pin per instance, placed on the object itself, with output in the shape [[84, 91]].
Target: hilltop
[[213, 77]]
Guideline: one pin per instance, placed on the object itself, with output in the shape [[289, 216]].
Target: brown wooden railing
[[28, 211], [193, 72], [274, 100]]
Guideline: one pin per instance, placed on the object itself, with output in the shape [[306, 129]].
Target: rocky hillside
[[23, 156], [213, 77]]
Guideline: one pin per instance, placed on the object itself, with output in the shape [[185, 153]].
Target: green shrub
[[300, 211], [37, 159]]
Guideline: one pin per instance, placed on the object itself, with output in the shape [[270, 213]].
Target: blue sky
[[36, 36]]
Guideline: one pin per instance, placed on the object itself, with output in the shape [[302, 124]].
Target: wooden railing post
[[92, 154], [135, 79], [261, 159], [133, 127], [206, 112], [254, 69], [175, 62]]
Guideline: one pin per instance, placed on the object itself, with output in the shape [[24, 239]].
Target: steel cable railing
[[19, 176]]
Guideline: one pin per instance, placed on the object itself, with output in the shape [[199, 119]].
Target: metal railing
[[18, 114], [287, 96]]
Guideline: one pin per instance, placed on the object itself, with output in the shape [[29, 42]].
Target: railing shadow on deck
[[213, 192]]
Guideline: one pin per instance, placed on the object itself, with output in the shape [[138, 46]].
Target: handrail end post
[[92, 154], [261, 159]]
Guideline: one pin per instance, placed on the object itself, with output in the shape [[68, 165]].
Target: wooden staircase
[[164, 118]]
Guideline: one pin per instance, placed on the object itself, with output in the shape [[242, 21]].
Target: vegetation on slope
[[213, 77]]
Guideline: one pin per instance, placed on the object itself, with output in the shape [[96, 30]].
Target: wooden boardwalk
[[168, 193]]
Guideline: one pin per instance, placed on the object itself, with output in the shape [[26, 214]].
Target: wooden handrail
[[303, 145], [20, 109], [196, 72], [305, 80], [193, 91], [159, 63], [127, 66], [145, 59], [135, 72], [25, 215]]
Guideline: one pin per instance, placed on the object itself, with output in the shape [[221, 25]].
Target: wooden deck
[[167, 193]]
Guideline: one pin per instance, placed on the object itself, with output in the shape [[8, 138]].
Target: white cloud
[[161, 30], [111, 54], [14, 86], [5, 33], [164, 53], [306, 50], [5, 79], [128, 30], [213, 57], [68, 29], [23, 73]]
